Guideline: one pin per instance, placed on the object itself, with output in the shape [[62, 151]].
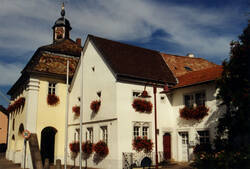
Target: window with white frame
[[90, 134], [136, 131], [104, 134], [52, 88], [145, 131], [198, 99], [141, 129], [203, 136]]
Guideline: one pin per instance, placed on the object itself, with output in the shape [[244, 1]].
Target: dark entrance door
[[48, 144], [167, 146]]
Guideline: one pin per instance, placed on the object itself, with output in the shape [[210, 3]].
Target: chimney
[[191, 55], [79, 42]]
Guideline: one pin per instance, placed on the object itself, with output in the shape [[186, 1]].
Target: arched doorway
[[48, 143]]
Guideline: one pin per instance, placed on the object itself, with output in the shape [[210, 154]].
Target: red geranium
[[101, 149], [87, 147], [196, 113], [95, 105], [142, 105], [74, 147], [17, 105], [52, 99], [76, 110], [144, 144]]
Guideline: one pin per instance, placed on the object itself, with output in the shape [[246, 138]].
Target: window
[[184, 137], [203, 136], [52, 88], [197, 99], [145, 131], [136, 94], [90, 135], [104, 134], [136, 131], [141, 129]]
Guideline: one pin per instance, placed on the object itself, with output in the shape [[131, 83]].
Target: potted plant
[[142, 106], [52, 99], [74, 148], [87, 149], [194, 113], [144, 144], [95, 105], [101, 149], [76, 110]]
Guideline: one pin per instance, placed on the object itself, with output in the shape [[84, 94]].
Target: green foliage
[[232, 144], [234, 92]]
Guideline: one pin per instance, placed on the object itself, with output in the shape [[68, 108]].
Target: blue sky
[[202, 27]]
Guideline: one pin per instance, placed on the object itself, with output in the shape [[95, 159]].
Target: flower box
[[142, 106], [74, 147], [101, 149], [194, 113], [87, 147], [52, 99], [95, 106], [144, 144], [17, 105], [76, 110]]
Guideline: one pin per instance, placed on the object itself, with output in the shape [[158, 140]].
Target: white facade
[[118, 116]]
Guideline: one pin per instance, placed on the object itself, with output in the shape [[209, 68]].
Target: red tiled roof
[[200, 76], [133, 62], [66, 47], [53, 63], [177, 64]]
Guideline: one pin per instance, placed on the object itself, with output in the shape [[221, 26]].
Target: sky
[[202, 27]]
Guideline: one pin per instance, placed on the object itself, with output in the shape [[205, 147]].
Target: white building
[[114, 74]]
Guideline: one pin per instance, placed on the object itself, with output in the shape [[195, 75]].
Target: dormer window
[[52, 88]]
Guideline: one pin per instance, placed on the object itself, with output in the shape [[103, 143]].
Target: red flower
[[76, 110], [87, 147], [142, 105], [144, 144], [74, 147], [17, 105], [95, 105], [52, 99], [101, 149], [196, 113]]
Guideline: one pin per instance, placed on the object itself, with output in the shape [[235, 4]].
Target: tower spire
[[63, 10]]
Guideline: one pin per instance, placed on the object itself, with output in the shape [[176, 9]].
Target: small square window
[[203, 137], [52, 88]]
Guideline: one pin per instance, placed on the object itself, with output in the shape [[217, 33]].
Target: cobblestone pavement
[[5, 164]]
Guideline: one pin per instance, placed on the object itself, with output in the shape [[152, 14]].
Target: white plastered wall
[[96, 78]]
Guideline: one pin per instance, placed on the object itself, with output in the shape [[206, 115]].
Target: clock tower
[[61, 28]]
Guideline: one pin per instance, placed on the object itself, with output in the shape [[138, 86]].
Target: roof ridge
[[123, 43]]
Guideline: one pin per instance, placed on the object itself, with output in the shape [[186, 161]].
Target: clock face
[[59, 32]]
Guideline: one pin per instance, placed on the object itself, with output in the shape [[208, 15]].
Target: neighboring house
[[3, 125], [113, 74], [35, 94]]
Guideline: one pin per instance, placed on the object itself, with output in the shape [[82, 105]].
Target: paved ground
[[5, 164]]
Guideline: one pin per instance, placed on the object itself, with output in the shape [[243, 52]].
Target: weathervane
[[63, 10]]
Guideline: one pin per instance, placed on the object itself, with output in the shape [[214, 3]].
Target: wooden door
[[167, 146]]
